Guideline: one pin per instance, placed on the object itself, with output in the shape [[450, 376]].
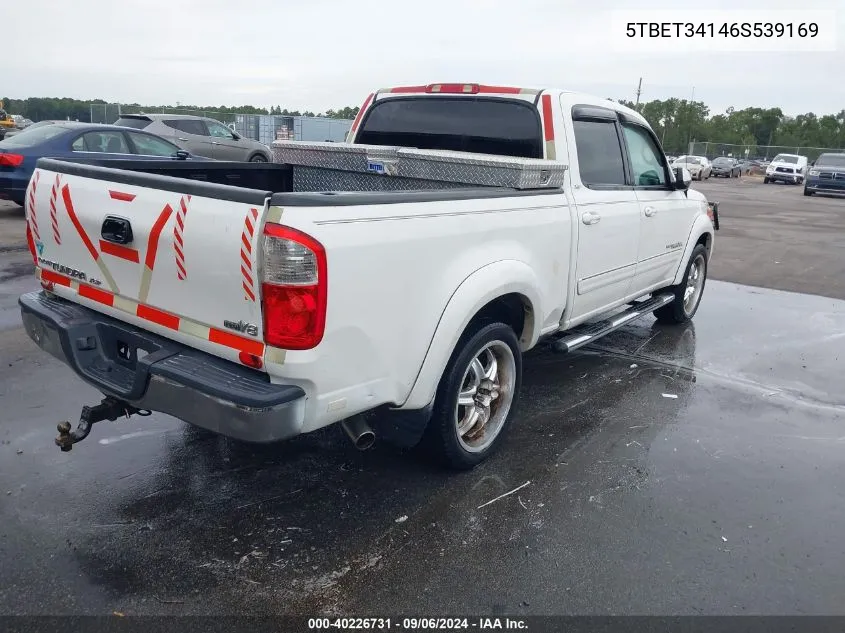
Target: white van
[[790, 168]]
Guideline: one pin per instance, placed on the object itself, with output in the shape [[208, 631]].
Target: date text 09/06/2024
[[416, 624], [723, 30]]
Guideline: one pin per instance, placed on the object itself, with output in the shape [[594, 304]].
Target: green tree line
[[43, 108], [677, 122]]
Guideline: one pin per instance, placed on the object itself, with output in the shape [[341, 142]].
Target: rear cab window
[[483, 125]]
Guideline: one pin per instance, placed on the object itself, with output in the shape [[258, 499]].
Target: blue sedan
[[70, 139]]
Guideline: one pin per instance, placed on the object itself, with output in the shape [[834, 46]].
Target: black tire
[[258, 158], [676, 312], [766, 181], [807, 192], [441, 435]]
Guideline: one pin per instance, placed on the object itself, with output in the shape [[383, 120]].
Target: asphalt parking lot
[[692, 470]]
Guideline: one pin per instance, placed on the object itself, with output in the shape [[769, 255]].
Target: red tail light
[[294, 288], [10, 160], [467, 89]]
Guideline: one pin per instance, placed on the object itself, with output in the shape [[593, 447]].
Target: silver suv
[[200, 136]]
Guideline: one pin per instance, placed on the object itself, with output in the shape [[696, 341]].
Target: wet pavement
[[691, 470]]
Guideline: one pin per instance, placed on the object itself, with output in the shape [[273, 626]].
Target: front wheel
[[687, 293], [807, 192], [258, 158], [766, 181], [476, 397]]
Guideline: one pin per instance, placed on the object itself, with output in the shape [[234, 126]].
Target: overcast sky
[[319, 54]]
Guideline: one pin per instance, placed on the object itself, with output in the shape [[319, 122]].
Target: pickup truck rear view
[[390, 283]]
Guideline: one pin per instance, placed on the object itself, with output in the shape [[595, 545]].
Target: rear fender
[[477, 290]]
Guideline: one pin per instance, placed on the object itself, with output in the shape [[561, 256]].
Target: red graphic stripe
[[33, 219], [120, 195], [247, 276], [178, 240], [56, 278], [236, 342], [75, 220], [155, 234], [160, 317], [250, 221], [116, 250], [54, 220], [95, 294], [548, 124], [360, 114]]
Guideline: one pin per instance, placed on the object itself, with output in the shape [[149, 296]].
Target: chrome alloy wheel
[[695, 284], [487, 392]]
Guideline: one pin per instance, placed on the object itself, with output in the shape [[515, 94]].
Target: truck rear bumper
[[151, 372]]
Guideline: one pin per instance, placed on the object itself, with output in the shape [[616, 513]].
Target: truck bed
[[254, 183]]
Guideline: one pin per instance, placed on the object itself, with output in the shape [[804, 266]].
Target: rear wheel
[[476, 397], [688, 293], [258, 158]]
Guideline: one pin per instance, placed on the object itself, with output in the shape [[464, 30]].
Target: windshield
[[785, 158], [722, 160], [688, 160], [831, 160], [484, 126], [33, 136]]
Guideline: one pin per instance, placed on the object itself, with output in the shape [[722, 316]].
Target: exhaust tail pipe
[[359, 432]]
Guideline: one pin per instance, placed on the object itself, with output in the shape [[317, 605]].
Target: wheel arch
[[506, 291], [702, 233]]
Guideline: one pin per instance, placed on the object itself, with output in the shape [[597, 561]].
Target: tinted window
[[103, 142], [784, 158], [149, 145], [833, 160], [218, 130], [646, 160], [189, 126], [466, 124], [723, 161], [32, 136], [138, 124], [599, 153]]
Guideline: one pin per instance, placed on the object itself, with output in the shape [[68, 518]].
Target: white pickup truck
[[261, 301]]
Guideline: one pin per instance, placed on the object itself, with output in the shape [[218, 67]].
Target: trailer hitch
[[109, 409]]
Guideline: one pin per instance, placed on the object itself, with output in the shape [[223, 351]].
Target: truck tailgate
[[183, 266]]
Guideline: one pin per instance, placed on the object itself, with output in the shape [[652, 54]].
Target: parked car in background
[[671, 159], [790, 168], [200, 135], [698, 166], [826, 175], [69, 139], [725, 166]]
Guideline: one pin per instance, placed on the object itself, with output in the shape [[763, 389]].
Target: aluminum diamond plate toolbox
[[481, 169], [421, 168], [347, 157]]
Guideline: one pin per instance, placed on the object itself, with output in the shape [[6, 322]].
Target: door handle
[[590, 218], [116, 230], [650, 212], [179, 138], [215, 143]]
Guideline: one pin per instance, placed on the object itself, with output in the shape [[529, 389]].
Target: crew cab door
[[607, 209], [666, 214]]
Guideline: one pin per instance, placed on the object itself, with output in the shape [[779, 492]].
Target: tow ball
[[109, 409]]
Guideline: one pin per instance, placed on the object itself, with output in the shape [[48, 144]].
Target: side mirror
[[235, 137], [181, 155], [683, 179]]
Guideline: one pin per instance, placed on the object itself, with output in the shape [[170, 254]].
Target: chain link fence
[[108, 113], [756, 152]]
